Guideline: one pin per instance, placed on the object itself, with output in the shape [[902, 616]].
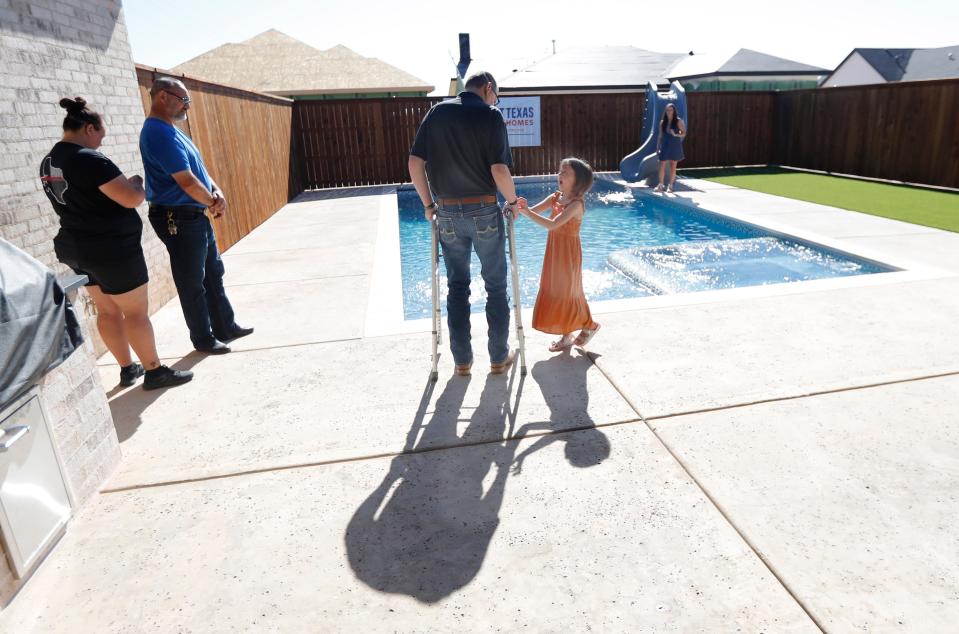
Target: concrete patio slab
[[687, 358], [445, 541], [306, 517], [852, 497], [264, 267], [318, 225], [939, 249], [842, 224], [283, 313], [309, 404], [732, 199]]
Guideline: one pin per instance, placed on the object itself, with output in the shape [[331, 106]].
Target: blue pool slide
[[643, 163]]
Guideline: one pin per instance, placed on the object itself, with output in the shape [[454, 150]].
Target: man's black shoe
[[130, 373], [218, 347], [165, 377], [238, 332]]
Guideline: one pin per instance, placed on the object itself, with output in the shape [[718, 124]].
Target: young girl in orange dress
[[561, 307]]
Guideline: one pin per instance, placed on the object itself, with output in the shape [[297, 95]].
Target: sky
[[421, 37]]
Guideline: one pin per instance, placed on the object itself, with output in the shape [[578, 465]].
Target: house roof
[[592, 67], [746, 60], [912, 64], [277, 63], [742, 62]]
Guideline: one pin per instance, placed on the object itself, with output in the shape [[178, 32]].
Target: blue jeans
[[480, 227], [198, 276]]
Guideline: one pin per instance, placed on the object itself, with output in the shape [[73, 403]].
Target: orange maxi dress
[[561, 306]]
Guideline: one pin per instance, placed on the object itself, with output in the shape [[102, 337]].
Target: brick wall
[[49, 50]]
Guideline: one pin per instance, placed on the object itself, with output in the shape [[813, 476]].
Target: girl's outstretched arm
[[546, 203], [573, 210]]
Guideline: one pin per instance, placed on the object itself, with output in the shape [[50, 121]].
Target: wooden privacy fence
[[863, 130], [907, 132], [245, 139], [367, 142]]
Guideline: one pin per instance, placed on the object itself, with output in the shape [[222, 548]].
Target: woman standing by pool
[[100, 237], [669, 147]]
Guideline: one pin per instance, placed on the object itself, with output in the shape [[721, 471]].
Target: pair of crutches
[[435, 279]]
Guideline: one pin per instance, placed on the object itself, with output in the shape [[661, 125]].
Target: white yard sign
[[522, 117]]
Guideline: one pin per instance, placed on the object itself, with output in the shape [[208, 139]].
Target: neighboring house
[[745, 70], [276, 63], [591, 69], [881, 65], [598, 69]]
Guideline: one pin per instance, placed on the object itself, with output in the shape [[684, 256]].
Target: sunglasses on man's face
[[185, 100]]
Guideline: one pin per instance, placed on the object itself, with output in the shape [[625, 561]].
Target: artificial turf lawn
[[927, 207]]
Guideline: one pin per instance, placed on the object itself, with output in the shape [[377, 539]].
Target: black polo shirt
[[460, 139]]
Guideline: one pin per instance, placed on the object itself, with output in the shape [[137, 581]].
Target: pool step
[[714, 264]]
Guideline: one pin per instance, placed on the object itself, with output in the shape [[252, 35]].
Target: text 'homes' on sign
[[522, 118]]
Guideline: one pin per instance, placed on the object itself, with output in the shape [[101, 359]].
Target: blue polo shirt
[[165, 151]]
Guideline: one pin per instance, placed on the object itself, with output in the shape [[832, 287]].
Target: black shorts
[[115, 277]]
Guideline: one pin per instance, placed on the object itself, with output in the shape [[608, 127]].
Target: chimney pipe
[[465, 58]]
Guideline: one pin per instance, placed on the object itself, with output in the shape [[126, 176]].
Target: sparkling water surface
[[632, 247]]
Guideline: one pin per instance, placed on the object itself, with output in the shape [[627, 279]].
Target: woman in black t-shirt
[[100, 237]]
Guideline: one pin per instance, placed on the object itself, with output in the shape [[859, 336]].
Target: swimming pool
[[634, 247]]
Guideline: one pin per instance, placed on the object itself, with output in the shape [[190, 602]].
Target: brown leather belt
[[469, 200]]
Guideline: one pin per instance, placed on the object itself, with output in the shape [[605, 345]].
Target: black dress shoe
[[165, 377], [237, 332], [218, 347]]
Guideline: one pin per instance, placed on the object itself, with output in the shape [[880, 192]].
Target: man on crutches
[[459, 158]]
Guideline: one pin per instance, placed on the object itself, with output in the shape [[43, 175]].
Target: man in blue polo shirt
[[180, 190], [459, 158]]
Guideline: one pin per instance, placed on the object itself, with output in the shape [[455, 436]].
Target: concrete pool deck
[[766, 460]]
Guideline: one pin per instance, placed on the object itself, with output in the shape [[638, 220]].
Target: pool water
[[632, 247]]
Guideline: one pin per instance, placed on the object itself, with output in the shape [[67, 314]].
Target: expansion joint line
[[702, 487]]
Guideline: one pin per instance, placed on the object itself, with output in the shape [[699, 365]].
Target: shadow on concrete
[[425, 531], [128, 408], [567, 397]]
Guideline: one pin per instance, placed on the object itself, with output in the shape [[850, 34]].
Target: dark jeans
[[480, 227], [198, 276]]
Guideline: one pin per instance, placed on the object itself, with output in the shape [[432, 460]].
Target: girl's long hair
[[583, 173], [675, 122]]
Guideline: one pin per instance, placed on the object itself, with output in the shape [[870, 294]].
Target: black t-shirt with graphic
[[92, 225]]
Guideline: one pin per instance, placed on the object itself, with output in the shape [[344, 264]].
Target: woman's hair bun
[[73, 105]]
